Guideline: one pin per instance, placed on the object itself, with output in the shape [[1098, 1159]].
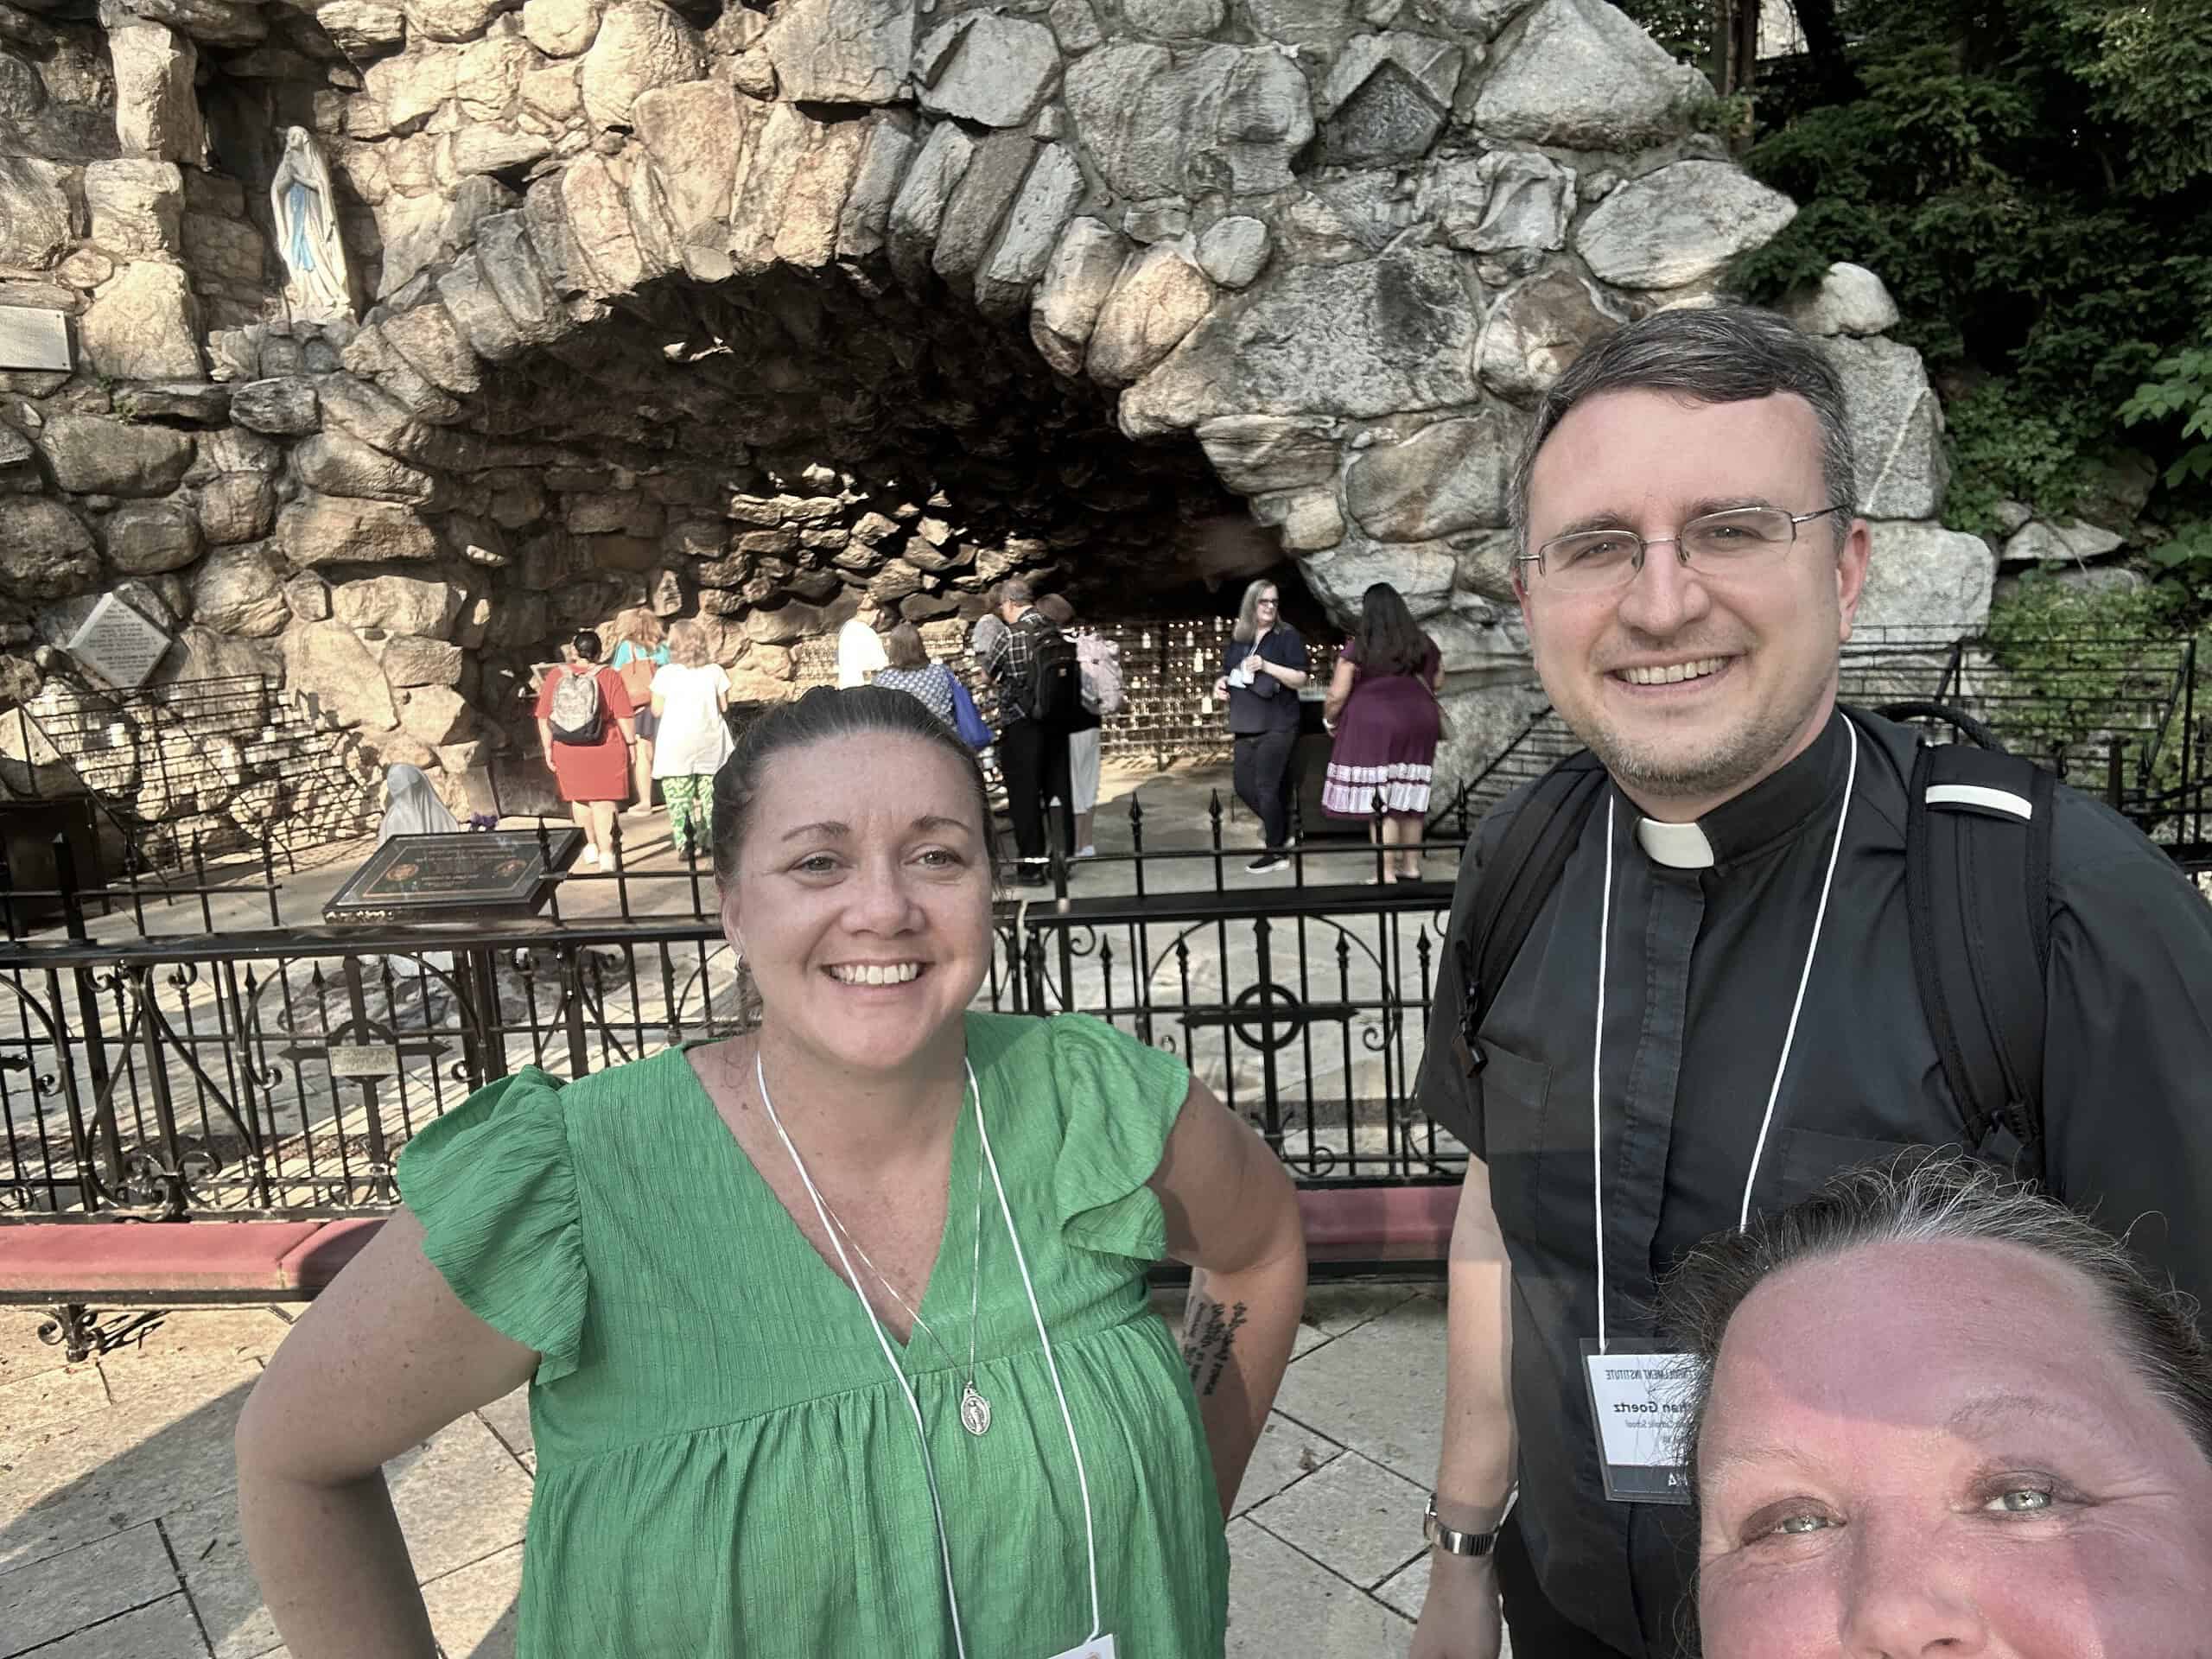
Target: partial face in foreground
[[862, 898], [1937, 1449], [1690, 684]]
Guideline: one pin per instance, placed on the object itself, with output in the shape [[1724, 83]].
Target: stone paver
[[164, 1630], [1379, 1390], [1283, 1602], [94, 1582], [1352, 1515]]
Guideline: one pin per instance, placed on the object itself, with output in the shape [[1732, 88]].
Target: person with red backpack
[[1040, 701], [587, 725]]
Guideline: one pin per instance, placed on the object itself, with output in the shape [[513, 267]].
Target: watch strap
[[1453, 1541]]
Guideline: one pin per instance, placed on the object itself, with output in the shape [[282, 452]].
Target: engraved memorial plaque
[[118, 645], [32, 337], [461, 874]]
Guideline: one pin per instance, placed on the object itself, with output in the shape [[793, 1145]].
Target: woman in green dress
[[837, 1331]]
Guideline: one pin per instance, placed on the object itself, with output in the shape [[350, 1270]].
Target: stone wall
[[776, 315]]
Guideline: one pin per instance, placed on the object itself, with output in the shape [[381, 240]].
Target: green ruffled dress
[[725, 1465]]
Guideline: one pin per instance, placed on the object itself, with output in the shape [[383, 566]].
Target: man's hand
[[1460, 1618]]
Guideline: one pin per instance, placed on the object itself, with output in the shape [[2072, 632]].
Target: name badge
[[1101, 1648], [1640, 1401]]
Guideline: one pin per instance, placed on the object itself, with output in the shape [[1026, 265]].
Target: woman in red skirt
[[1382, 706], [587, 724]]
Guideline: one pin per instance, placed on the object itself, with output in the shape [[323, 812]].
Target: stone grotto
[[379, 346]]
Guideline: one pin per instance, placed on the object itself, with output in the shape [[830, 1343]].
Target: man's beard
[[1743, 756]]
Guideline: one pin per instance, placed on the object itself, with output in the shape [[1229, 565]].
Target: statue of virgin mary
[[299, 196]]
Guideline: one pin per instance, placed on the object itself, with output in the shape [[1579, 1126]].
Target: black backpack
[[1977, 893], [1054, 697]]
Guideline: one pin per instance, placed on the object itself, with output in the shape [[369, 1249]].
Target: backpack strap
[[1977, 891]]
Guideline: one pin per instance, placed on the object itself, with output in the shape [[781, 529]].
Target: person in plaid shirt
[[1033, 760]]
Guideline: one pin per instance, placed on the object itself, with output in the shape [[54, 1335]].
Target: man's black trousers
[[1035, 762], [1263, 774]]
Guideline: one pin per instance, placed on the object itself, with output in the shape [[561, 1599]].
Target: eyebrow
[[831, 829], [1611, 518], [1974, 1419]]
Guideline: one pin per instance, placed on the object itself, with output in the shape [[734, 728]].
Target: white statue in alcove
[[317, 286]]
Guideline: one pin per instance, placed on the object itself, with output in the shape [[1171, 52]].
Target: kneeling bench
[[67, 1265]]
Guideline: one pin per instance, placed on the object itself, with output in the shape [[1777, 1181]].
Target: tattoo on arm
[[1209, 1332]]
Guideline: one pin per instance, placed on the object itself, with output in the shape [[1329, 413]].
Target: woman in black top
[[1261, 670]]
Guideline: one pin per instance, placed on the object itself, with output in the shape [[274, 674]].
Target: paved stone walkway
[[119, 1523]]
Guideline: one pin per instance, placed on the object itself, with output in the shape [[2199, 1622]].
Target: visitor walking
[[1035, 706], [1099, 662], [641, 647], [586, 724], [691, 700], [1382, 706], [908, 669], [1261, 669]]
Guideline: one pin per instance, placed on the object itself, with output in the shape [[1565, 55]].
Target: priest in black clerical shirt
[[1716, 1009]]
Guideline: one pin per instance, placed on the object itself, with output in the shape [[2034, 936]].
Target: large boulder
[[1848, 300], [328, 661], [992, 70], [1224, 118], [156, 110], [240, 590], [34, 212], [284, 404], [336, 463], [411, 660], [1538, 329], [1679, 224], [136, 207], [236, 507], [1254, 454], [46, 552], [1422, 576], [1506, 201], [1161, 296], [1925, 583], [1580, 74], [93, 455], [144, 325], [1897, 427], [1449, 476], [452, 19], [1382, 336], [640, 45], [1048, 195], [2074, 542], [319, 529], [1079, 276], [424, 605], [840, 51], [1386, 98], [145, 538]]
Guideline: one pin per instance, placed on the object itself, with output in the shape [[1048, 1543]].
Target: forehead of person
[[1942, 1446], [862, 899], [1761, 640]]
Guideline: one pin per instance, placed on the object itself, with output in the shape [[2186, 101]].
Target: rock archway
[[770, 315]]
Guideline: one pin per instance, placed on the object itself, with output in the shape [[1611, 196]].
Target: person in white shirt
[[690, 700]]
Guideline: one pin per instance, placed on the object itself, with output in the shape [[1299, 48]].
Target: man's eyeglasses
[[1716, 544]]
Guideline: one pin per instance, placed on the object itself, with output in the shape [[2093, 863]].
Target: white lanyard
[[929, 1464], [1789, 1037]]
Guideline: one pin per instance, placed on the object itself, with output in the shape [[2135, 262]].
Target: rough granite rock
[[136, 207], [437, 715], [427, 606], [920, 209], [327, 660], [1257, 454], [1450, 476], [687, 133], [1055, 185], [1537, 330], [156, 112], [560, 28], [34, 211], [640, 45], [840, 51], [46, 552], [1925, 583], [1422, 576], [865, 217], [1849, 300], [992, 70], [1395, 334], [411, 660], [321, 529], [2038, 542], [285, 406], [452, 19], [1077, 278], [362, 29], [1897, 427], [1225, 117], [145, 538], [972, 212], [236, 507], [90, 454], [143, 325], [1234, 250], [1305, 521], [1387, 97], [240, 590], [336, 463], [1679, 225], [1581, 73], [1160, 297], [1182, 19]]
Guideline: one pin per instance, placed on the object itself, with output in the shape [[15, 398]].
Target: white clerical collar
[[1677, 846]]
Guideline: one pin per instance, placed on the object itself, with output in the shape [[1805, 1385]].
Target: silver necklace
[[975, 1408]]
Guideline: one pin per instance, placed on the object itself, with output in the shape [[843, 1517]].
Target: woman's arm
[[545, 738], [1281, 673], [1339, 691], [380, 1362], [1233, 1216], [660, 705]]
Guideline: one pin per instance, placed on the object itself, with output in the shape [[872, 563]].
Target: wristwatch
[[1450, 1539]]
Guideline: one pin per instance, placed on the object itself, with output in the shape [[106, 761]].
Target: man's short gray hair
[[1716, 354], [1014, 590], [1921, 1199]]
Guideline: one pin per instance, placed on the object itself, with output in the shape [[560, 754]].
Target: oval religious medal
[[975, 1411]]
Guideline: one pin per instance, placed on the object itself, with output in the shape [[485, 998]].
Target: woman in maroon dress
[[593, 776], [1382, 706]]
